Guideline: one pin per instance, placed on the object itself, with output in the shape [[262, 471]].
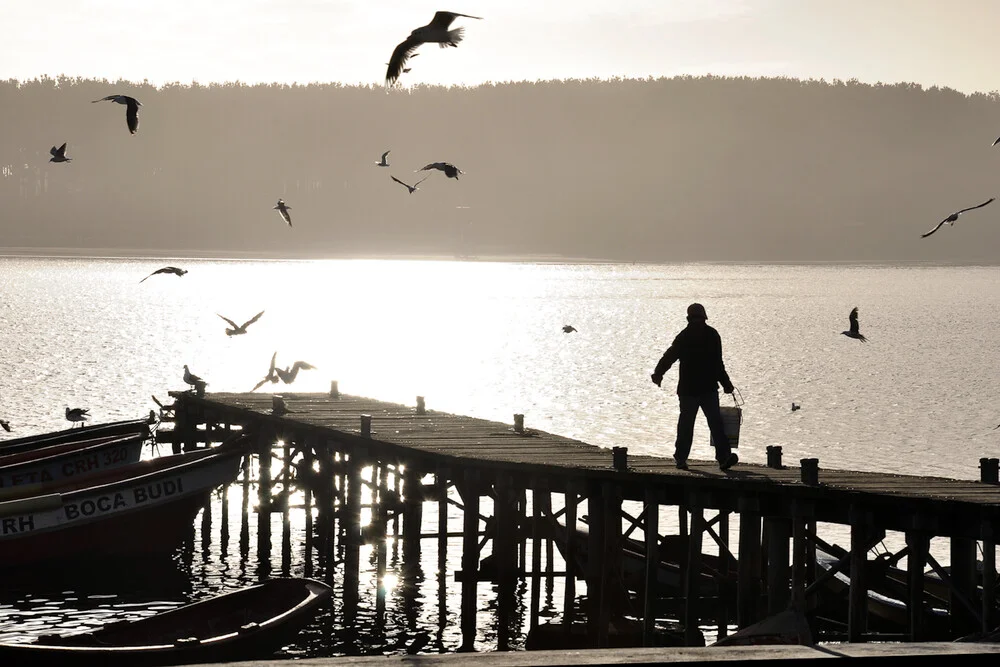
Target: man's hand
[[728, 389], [657, 379]]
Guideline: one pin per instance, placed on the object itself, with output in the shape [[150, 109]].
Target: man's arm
[[727, 385], [666, 361]]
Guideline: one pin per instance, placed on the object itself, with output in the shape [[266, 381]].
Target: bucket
[[732, 417]]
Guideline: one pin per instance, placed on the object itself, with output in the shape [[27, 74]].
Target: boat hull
[[138, 427], [25, 472]]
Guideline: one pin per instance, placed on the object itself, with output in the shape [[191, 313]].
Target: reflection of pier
[[359, 459]]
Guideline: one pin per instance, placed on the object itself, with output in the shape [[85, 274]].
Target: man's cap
[[697, 311]]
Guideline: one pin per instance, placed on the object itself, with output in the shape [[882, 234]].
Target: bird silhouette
[[77, 415], [997, 141], [131, 110], [953, 218], [853, 332], [435, 31], [271, 376], [5, 425], [567, 328], [282, 208], [239, 330], [192, 379], [59, 154], [412, 188], [167, 269], [383, 163], [287, 375], [450, 170], [796, 406]]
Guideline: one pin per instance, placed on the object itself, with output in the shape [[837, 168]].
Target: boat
[[246, 624], [787, 627], [120, 428], [32, 470], [139, 509]]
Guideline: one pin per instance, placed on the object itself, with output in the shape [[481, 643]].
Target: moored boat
[[138, 427], [143, 508], [249, 623]]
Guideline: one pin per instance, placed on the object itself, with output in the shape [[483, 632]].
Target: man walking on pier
[[699, 349]]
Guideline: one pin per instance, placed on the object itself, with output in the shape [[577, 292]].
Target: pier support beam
[[779, 531], [571, 498], [651, 589], [748, 583], [413, 510], [351, 520], [505, 555], [918, 543], [963, 579], [470, 558], [857, 600], [692, 577], [989, 576]]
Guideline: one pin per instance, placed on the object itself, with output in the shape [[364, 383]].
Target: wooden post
[[801, 513], [334, 389], [611, 579], [286, 501], [413, 509], [470, 558], [724, 597], [595, 565], [264, 444], [366, 426], [537, 503], [518, 423], [505, 555], [857, 600], [651, 590], [569, 591], [748, 581], [692, 578], [351, 520], [379, 525], [989, 576], [307, 497], [245, 509], [916, 561], [963, 578], [778, 589], [441, 488], [421, 408]]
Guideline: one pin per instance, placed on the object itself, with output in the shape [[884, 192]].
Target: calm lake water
[[485, 339]]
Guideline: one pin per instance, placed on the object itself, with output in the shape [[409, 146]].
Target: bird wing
[[997, 141], [937, 227], [231, 323], [109, 98], [132, 118], [400, 55], [54, 151], [854, 320], [260, 384], [971, 208], [434, 165], [62, 149], [385, 155], [397, 180], [420, 181], [444, 19], [252, 319], [270, 372], [157, 401], [302, 365], [285, 215]]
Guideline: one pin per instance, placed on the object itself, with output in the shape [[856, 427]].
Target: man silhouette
[[699, 349]]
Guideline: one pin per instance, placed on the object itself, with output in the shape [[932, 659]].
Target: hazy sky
[[930, 42]]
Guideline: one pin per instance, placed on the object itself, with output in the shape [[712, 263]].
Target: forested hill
[[729, 169]]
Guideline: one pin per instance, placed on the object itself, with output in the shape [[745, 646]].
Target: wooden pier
[[421, 458]]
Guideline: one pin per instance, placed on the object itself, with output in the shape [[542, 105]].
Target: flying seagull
[[282, 210], [59, 154], [167, 269], [997, 141], [271, 376], [288, 376], [383, 163], [77, 415], [568, 328], [435, 31], [854, 333], [5, 425], [450, 170], [412, 188], [953, 218], [192, 379], [242, 328], [131, 109]]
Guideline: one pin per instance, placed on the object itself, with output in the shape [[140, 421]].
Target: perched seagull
[[383, 163], [412, 188], [568, 328], [192, 379], [854, 333], [435, 31], [271, 376], [131, 109], [282, 210], [238, 330], [77, 415], [450, 170], [288, 376], [167, 269], [953, 218], [796, 406], [5, 425], [59, 154]]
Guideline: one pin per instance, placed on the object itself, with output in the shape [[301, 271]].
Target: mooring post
[[774, 456], [351, 520], [651, 528], [421, 408], [692, 576], [518, 423], [989, 576], [334, 389], [857, 596], [963, 579], [916, 562], [989, 470], [779, 531], [470, 557], [569, 589], [748, 581], [366, 426], [413, 510]]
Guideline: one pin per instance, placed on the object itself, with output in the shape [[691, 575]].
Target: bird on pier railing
[[192, 379], [77, 415], [240, 329]]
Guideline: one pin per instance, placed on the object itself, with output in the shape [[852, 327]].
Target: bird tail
[[454, 37]]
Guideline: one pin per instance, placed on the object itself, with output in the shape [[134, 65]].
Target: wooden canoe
[[250, 623], [121, 428]]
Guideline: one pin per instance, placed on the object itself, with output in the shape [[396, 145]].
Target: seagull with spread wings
[[953, 218], [854, 332], [271, 376], [383, 162], [239, 330], [59, 154], [167, 269], [435, 31], [287, 375], [131, 109], [412, 188], [450, 170], [282, 208]]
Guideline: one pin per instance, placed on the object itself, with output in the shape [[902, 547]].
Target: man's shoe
[[681, 464], [729, 462]]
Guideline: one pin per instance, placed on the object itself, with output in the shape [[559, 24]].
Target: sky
[[929, 42]]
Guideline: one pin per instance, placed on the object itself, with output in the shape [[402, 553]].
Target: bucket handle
[[736, 393]]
